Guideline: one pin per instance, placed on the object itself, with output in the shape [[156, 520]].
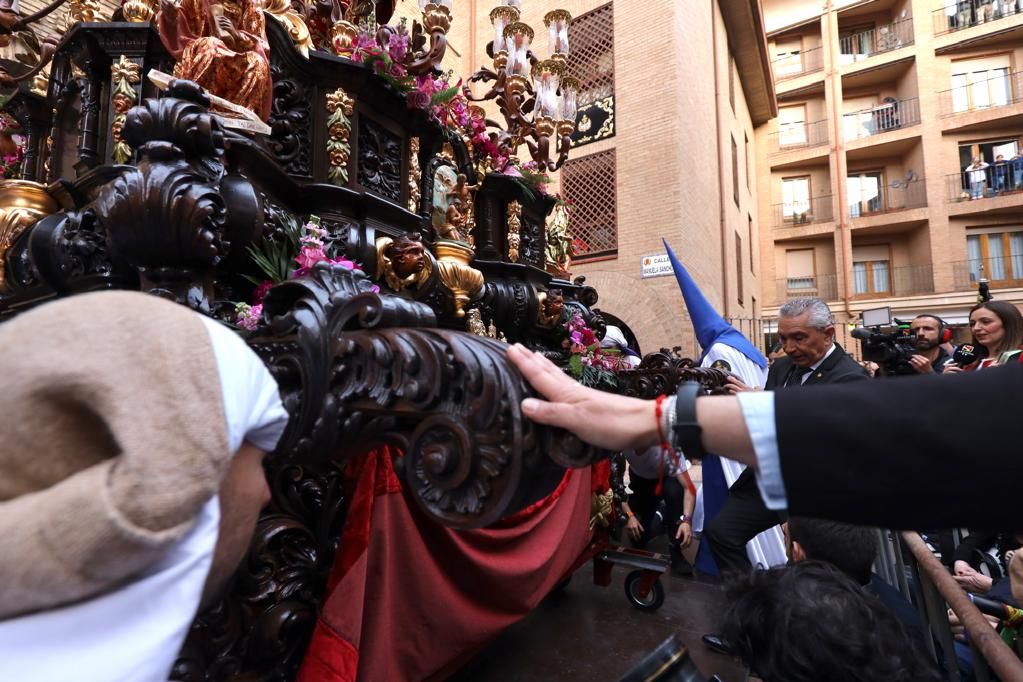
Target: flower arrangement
[[590, 364], [12, 150], [278, 254]]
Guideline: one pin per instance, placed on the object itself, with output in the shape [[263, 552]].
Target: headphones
[[944, 333]]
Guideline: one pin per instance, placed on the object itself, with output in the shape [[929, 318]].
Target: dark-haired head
[[810, 622], [850, 548], [997, 342]]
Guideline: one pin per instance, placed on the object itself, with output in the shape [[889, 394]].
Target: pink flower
[[397, 47], [310, 256], [417, 99], [576, 337], [248, 316], [261, 291], [426, 85], [344, 262]]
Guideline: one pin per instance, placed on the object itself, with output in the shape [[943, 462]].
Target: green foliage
[[444, 96], [275, 253]]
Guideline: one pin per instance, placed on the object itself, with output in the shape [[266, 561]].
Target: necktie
[[797, 374]]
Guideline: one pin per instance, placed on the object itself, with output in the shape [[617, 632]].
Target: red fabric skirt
[[409, 599]]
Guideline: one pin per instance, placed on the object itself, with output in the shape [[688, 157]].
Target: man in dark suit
[[806, 330]]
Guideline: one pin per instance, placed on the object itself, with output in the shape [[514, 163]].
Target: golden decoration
[[414, 174], [343, 35], [22, 203], [558, 256], [41, 83], [514, 213], [474, 323], [139, 11], [601, 509], [464, 281], [125, 74], [339, 130], [436, 18], [83, 11], [607, 105], [293, 22]]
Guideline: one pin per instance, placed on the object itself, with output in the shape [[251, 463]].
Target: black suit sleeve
[[934, 451]]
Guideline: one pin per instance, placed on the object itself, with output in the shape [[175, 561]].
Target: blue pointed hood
[[710, 327]]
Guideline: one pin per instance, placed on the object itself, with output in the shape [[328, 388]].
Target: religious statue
[[558, 256], [453, 222], [552, 305], [402, 262], [474, 323], [464, 193], [222, 46]]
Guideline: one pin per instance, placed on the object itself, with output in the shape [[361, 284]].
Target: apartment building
[[862, 178]]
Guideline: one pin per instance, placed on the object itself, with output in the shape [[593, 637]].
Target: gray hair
[[820, 314]]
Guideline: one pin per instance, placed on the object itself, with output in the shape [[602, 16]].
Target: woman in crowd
[[997, 328]]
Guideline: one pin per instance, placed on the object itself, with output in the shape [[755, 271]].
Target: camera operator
[[930, 333]]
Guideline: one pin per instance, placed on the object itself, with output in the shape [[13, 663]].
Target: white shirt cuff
[[758, 411]]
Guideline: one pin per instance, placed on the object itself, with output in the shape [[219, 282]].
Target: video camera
[[889, 345]]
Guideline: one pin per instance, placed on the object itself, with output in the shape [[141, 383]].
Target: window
[[800, 271], [861, 117], [871, 271], [592, 38], [731, 79], [981, 83], [745, 148], [792, 125], [999, 252], [738, 265], [749, 239], [795, 197], [735, 172], [866, 193], [590, 183], [788, 57]]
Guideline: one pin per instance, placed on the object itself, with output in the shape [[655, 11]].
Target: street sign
[[656, 266]]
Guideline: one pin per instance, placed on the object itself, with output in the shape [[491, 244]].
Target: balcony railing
[[999, 91], [1004, 271], [794, 65], [791, 136], [891, 115], [865, 44], [956, 15], [879, 280], [803, 212], [986, 183], [821, 286], [897, 196]]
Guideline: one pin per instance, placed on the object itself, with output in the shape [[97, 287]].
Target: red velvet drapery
[[409, 599]]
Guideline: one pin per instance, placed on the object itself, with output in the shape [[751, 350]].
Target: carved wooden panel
[[291, 141], [379, 160]]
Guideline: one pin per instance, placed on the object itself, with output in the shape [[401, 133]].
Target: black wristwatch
[[688, 434]]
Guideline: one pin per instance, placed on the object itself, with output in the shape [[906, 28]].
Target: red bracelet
[[657, 413]]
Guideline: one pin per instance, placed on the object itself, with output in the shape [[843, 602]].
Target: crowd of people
[[782, 621]]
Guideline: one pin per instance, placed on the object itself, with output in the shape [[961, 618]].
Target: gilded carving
[[339, 131], [125, 74], [86, 11], [22, 203], [558, 257], [464, 281], [474, 323], [551, 306], [298, 31], [402, 262], [514, 230], [139, 11], [601, 509], [414, 173]]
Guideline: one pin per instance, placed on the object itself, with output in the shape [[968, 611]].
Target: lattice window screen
[[592, 39], [589, 183]]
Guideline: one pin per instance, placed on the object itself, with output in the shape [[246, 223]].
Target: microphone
[[965, 354]]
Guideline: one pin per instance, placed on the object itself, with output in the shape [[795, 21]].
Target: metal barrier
[[905, 561]]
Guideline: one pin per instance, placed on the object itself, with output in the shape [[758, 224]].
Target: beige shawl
[[112, 439]]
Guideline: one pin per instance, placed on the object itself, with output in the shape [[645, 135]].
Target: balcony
[[799, 135], [1001, 272], [803, 212], [821, 286], [969, 13], [987, 183], [878, 280], [792, 66], [863, 45], [991, 94], [891, 115], [899, 195]]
